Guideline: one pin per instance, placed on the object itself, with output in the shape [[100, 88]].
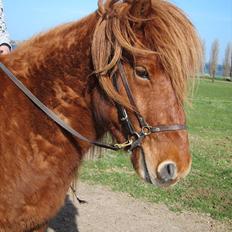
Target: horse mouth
[[151, 178]]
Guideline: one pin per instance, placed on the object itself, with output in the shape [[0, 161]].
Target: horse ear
[[140, 8]]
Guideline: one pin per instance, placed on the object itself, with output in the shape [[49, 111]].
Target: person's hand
[[4, 49]]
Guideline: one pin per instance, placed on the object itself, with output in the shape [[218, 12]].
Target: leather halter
[[134, 138]]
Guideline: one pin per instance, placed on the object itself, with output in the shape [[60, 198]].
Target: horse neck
[[56, 67]]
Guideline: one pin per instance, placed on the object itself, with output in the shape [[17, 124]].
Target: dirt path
[[107, 211]]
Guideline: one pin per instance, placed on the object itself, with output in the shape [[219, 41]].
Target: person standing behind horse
[[5, 46]]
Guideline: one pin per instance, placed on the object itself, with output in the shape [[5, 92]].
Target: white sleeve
[[4, 35]]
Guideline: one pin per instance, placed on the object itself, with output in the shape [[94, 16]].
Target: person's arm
[[5, 46]]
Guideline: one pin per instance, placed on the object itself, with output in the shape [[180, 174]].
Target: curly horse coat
[[70, 70]]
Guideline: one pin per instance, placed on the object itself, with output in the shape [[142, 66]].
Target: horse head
[[158, 49]]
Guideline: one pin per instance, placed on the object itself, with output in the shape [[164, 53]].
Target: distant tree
[[227, 60], [213, 59], [231, 68]]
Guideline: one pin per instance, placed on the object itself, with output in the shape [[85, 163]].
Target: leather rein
[[134, 138]]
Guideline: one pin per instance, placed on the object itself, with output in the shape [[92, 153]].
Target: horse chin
[[150, 177]]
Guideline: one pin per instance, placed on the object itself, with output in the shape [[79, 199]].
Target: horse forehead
[[149, 59]]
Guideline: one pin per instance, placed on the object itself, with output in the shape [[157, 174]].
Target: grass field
[[208, 188]]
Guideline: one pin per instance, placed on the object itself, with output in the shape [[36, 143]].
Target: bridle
[[134, 138]]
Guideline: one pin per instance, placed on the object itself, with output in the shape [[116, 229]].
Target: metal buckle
[[146, 130], [124, 145], [129, 142]]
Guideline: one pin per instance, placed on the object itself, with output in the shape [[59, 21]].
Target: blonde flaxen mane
[[166, 29]]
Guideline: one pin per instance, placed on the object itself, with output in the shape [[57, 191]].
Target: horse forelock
[[137, 27], [166, 32]]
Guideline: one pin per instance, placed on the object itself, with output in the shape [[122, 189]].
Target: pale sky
[[212, 18]]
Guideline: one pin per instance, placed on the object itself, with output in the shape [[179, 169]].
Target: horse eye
[[141, 72]]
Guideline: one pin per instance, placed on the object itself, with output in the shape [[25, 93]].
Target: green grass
[[208, 188], [211, 113]]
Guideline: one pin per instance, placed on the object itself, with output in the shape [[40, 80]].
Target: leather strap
[[50, 113], [126, 123], [145, 128], [130, 96], [163, 128]]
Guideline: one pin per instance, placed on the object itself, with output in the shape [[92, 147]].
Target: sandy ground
[[107, 211]]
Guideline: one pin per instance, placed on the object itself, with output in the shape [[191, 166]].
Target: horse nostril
[[171, 169], [167, 171]]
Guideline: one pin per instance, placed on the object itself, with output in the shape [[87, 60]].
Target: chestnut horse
[[128, 59]]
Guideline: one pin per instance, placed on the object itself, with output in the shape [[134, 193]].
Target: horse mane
[[168, 34], [41, 51]]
